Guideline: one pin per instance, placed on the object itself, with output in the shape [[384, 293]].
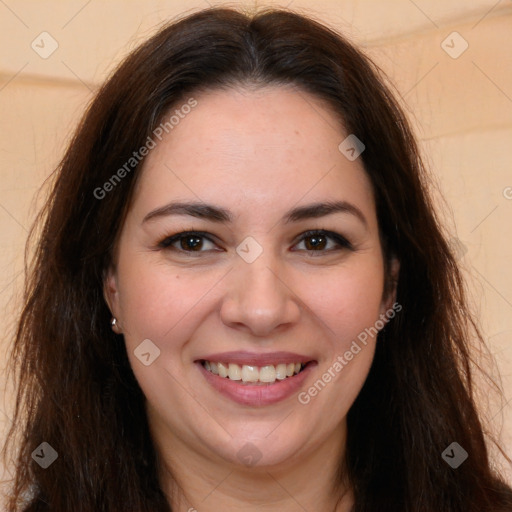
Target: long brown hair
[[76, 390]]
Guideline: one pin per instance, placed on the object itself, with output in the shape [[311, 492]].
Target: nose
[[259, 299]]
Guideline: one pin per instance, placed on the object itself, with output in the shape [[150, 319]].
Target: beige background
[[461, 108]]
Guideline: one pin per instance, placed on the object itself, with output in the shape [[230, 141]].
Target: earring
[[115, 325]]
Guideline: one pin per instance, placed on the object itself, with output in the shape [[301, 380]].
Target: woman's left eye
[[319, 241]]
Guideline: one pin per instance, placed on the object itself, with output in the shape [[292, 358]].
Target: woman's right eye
[[186, 241]]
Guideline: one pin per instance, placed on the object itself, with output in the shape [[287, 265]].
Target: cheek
[[350, 307], [349, 300], [155, 299]]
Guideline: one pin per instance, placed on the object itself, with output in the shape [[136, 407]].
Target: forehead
[[244, 148]]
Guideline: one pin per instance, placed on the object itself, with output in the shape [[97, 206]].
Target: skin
[[257, 153]]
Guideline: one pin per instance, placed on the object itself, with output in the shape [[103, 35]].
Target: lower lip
[[255, 395]]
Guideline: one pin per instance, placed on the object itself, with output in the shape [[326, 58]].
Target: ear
[[111, 292], [389, 297]]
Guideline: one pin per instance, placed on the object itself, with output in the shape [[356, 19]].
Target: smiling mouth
[[256, 375]]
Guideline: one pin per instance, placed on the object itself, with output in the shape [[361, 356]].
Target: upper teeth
[[249, 373]]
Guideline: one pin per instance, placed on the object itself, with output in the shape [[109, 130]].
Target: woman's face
[[253, 290]]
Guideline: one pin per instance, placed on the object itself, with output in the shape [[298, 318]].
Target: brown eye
[[191, 242], [324, 241], [315, 242], [187, 242]]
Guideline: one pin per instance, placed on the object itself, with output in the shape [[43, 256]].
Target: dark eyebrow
[[221, 215], [316, 210]]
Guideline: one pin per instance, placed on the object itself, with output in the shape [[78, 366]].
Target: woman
[[194, 339]]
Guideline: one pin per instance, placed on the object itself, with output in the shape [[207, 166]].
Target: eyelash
[[342, 242]]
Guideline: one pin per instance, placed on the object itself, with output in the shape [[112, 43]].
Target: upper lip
[[256, 359]]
